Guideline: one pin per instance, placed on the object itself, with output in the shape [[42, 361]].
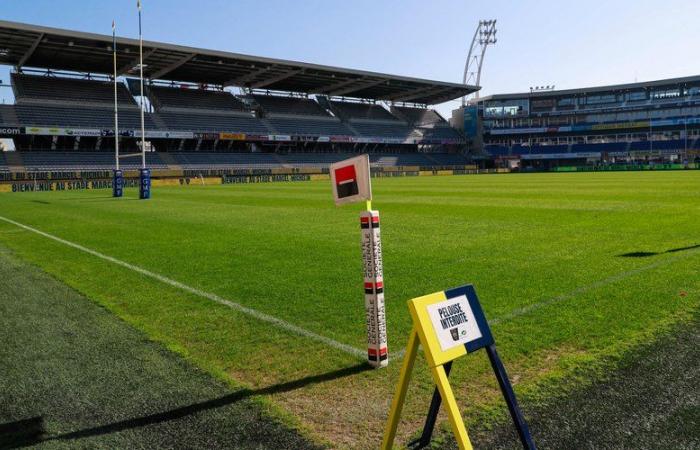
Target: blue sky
[[566, 43]]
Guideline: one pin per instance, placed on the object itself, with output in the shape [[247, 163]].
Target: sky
[[564, 43]]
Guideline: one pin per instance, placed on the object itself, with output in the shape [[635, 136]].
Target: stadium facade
[[648, 122], [211, 108]]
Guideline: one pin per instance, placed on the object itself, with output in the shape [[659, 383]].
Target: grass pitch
[[572, 270], [75, 376]]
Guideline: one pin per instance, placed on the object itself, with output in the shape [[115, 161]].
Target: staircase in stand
[[14, 161], [168, 159]]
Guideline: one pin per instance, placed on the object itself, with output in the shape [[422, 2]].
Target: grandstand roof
[[58, 49], [695, 79]]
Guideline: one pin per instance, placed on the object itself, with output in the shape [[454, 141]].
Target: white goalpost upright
[[118, 176], [145, 174]]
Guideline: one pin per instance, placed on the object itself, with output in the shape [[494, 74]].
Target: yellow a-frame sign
[[449, 324]]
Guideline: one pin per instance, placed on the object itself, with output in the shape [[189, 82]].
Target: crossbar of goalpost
[[130, 155]]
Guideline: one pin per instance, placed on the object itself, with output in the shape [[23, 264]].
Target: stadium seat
[[295, 106], [362, 111], [189, 98], [55, 160], [211, 122], [71, 90]]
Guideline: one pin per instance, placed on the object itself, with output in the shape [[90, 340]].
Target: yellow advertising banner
[[232, 136], [615, 126], [193, 181]]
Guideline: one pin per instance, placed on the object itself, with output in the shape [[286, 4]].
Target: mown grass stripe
[[279, 323], [580, 290], [589, 287]]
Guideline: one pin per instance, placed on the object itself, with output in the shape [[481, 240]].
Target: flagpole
[[143, 126], [116, 109]]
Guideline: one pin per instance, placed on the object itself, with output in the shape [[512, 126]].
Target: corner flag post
[[145, 175], [117, 178], [351, 183]]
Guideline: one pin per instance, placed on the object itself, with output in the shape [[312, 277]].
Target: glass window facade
[[510, 108]]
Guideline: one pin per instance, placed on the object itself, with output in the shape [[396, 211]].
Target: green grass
[[75, 376], [285, 250]]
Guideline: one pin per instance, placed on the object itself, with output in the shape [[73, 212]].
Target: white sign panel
[[454, 322], [350, 180]]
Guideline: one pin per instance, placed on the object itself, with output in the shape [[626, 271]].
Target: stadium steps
[[338, 113], [168, 160], [352, 129], [14, 161], [269, 126], [400, 115], [160, 124]]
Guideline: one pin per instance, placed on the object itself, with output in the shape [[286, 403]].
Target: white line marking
[[279, 323], [580, 290]]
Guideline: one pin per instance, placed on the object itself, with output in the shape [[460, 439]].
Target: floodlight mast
[[484, 36]]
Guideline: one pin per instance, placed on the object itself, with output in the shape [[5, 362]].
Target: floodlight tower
[[484, 36]]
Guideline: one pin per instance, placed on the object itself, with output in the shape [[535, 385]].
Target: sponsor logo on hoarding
[[232, 136], [10, 131]]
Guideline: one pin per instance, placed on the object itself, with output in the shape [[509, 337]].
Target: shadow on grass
[[22, 433], [185, 411], [647, 254]]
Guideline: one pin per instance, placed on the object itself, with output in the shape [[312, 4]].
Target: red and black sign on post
[[350, 180], [351, 183], [346, 181]]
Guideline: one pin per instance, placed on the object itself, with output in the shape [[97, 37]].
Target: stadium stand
[[211, 122], [384, 159], [418, 116], [375, 121], [385, 130], [311, 127], [362, 111], [66, 102], [439, 132], [447, 159], [8, 115], [399, 159], [645, 121], [299, 116], [275, 105], [164, 98], [606, 147], [409, 159], [202, 160], [79, 116], [63, 114], [54, 160], [201, 110], [71, 90]]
